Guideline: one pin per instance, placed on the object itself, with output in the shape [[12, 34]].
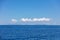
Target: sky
[[17, 9]]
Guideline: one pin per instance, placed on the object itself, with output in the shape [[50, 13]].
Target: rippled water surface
[[29, 32]]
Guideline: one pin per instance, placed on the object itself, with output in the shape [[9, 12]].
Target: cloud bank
[[35, 19], [31, 20]]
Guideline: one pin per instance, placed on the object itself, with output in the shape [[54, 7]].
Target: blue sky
[[17, 9]]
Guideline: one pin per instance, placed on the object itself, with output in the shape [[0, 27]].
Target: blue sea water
[[29, 32]]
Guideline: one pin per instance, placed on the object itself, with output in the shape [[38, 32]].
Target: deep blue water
[[29, 32]]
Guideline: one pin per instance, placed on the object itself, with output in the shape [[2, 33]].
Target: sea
[[29, 32]]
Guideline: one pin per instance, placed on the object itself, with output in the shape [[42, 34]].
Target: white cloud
[[14, 20], [26, 19], [44, 19], [35, 19], [31, 20]]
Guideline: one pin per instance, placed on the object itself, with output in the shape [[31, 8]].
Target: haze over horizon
[[11, 11]]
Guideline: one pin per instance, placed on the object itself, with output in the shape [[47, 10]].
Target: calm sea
[[29, 32]]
